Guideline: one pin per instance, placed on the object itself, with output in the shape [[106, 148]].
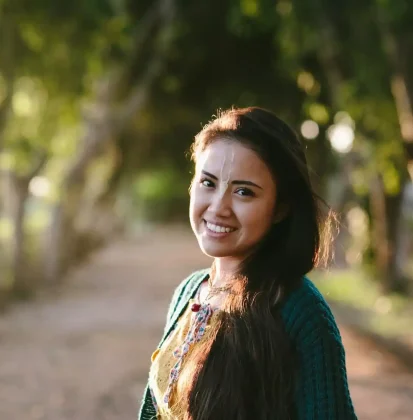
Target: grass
[[389, 315]]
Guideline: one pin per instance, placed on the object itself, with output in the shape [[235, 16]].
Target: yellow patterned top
[[163, 361]]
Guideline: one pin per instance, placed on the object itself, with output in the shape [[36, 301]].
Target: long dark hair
[[245, 367]]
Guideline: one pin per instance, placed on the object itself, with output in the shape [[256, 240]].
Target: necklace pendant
[[195, 307]]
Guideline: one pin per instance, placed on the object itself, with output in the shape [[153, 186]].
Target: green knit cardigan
[[321, 390]]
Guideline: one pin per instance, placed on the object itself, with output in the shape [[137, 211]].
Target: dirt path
[[83, 353]]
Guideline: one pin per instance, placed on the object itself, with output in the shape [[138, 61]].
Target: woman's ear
[[281, 212]]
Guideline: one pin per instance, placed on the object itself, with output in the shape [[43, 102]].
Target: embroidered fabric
[[196, 331], [194, 335]]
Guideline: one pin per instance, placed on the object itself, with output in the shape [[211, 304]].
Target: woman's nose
[[221, 204]]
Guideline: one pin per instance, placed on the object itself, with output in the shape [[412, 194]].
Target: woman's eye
[[206, 183], [245, 192]]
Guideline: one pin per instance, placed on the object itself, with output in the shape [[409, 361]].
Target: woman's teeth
[[219, 229]]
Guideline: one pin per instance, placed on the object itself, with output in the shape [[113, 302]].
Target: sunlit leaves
[[3, 88], [246, 17], [250, 7], [60, 49], [318, 112], [391, 177], [162, 182], [307, 82], [32, 36], [284, 7]]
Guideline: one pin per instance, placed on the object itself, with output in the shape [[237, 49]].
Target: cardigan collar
[[189, 292]]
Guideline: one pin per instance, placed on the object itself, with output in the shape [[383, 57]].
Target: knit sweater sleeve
[[322, 391], [180, 294], [174, 301]]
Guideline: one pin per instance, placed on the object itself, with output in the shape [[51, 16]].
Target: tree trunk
[[342, 189], [397, 281], [386, 214], [7, 65], [401, 91], [104, 123], [19, 192], [7, 70], [61, 241], [385, 210], [379, 229]]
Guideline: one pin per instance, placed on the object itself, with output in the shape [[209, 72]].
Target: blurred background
[[100, 100]]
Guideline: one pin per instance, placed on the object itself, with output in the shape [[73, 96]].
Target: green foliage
[[389, 315], [58, 51], [163, 182], [303, 59], [161, 195]]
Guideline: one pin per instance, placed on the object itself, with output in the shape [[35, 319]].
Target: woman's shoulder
[[305, 311], [186, 288], [191, 281]]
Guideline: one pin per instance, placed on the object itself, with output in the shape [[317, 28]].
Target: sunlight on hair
[[329, 230], [309, 129]]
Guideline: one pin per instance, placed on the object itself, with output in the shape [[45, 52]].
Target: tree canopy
[[99, 101]]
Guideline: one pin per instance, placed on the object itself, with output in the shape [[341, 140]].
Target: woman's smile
[[215, 230]]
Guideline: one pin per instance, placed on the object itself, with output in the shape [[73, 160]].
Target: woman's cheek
[[200, 198], [197, 201]]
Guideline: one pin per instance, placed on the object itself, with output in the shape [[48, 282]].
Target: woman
[[251, 338]]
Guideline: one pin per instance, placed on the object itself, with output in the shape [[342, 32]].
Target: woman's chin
[[214, 251]]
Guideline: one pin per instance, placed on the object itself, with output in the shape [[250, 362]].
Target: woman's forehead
[[229, 156]]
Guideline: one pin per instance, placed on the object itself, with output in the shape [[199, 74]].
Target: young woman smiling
[[251, 337]]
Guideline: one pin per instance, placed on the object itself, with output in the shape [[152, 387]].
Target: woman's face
[[232, 200]]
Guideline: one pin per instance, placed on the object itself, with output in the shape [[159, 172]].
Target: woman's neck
[[223, 268]]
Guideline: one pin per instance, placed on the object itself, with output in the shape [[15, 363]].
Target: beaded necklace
[[202, 314]]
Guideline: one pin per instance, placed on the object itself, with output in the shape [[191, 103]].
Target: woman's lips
[[213, 233]]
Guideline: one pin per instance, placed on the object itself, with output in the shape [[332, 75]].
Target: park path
[[82, 352]]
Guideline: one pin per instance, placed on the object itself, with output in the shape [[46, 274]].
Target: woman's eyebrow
[[235, 182]]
